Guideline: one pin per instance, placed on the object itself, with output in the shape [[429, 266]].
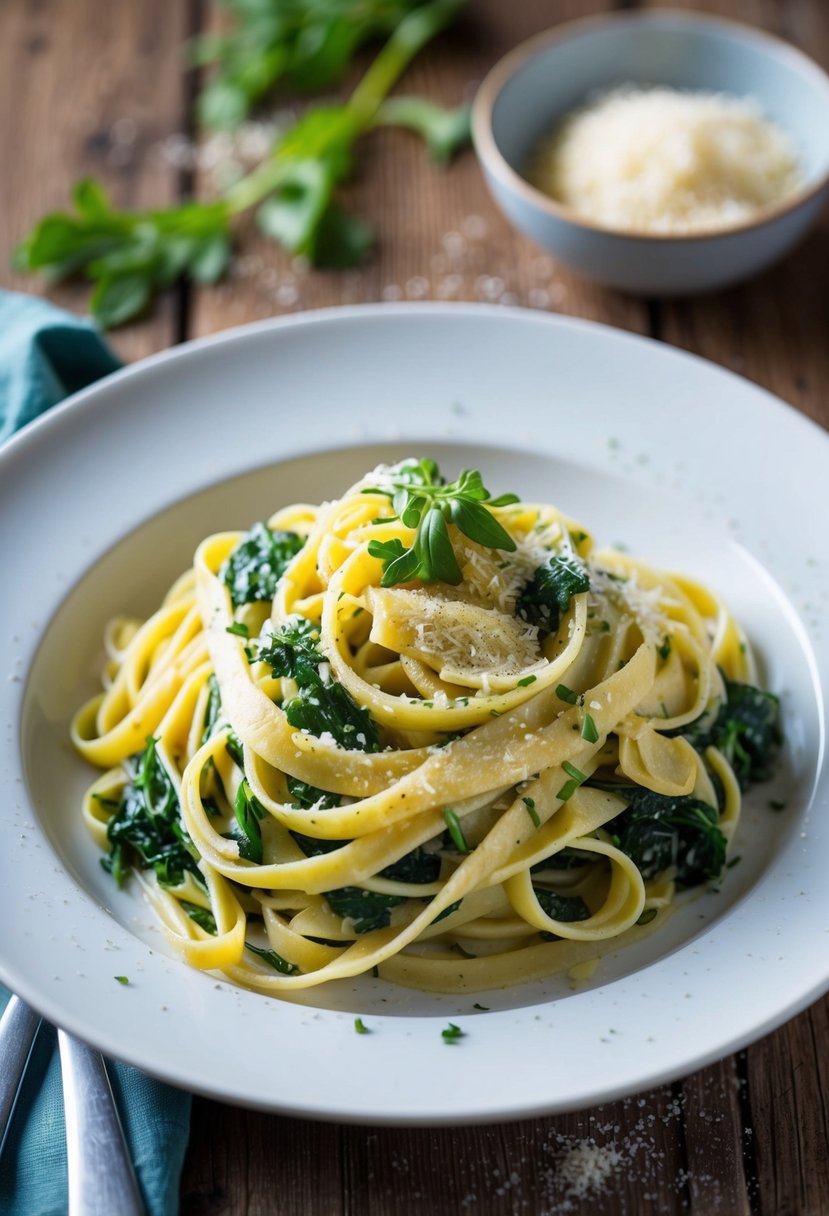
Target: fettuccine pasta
[[422, 733]]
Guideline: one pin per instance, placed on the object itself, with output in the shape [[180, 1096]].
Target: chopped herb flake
[[588, 729], [453, 823]]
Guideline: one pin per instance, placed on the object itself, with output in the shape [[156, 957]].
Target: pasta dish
[[420, 732]]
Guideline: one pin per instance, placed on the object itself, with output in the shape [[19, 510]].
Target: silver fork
[[101, 1177]]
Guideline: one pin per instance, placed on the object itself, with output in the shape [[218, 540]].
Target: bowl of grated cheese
[[660, 153]]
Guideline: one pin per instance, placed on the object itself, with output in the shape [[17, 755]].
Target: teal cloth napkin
[[46, 354]]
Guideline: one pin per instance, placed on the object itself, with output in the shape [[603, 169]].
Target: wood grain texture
[[89, 89]]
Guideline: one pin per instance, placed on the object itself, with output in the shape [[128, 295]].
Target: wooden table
[[97, 88]]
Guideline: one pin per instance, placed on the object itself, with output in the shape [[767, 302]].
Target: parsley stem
[[414, 31]]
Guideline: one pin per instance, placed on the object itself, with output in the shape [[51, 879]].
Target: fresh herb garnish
[[577, 778], [453, 823], [665, 649], [546, 597], [588, 729], [239, 629], [424, 502], [146, 830], [122, 979], [647, 916], [529, 803], [452, 1033], [361, 1027], [566, 694], [321, 705], [527, 680], [256, 565]]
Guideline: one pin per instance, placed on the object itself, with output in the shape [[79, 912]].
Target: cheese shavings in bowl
[[666, 161]]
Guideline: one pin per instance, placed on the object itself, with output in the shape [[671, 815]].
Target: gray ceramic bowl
[[542, 80]]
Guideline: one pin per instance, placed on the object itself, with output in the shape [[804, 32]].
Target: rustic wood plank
[[88, 89], [622, 1157], [788, 1086], [714, 1141]]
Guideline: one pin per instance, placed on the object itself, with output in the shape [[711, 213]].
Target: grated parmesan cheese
[[660, 160]]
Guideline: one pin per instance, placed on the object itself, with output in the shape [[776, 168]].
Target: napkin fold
[[45, 354]]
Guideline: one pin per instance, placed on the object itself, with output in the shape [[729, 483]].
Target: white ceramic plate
[[102, 503]]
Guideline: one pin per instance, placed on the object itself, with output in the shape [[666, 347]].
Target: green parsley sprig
[[131, 256], [306, 43], [423, 501]]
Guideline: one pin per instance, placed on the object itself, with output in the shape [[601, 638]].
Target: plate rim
[[50, 423]]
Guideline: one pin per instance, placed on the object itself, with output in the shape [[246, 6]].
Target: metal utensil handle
[[101, 1177], [18, 1027]]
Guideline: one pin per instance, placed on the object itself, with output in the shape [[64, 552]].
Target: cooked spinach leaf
[[202, 916], [256, 565], [367, 909], [146, 830], [746, 730], [547, 595], [566, 908], [249, 810], [305, 795], [321, 706], [213, 709]]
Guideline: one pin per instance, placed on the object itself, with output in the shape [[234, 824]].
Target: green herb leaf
[[248, 811], [529, 803], [588, 729], [122, 979], [444, 131], [360, 1026], [424, 502], [452, 1033], [566, 694], [453, 823]]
